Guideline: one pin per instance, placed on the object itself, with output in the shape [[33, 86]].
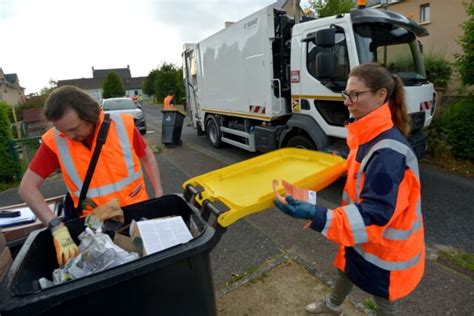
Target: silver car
[[126, 105]]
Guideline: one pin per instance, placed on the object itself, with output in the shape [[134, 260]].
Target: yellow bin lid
[[246, 187]]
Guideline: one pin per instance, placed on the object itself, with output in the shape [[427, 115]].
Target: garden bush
[[9, 165], [458, 126], [438, 70]]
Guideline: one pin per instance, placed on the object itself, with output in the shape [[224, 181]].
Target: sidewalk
[[282, 290]]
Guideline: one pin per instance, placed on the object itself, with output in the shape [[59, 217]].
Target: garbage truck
[[267, 82]]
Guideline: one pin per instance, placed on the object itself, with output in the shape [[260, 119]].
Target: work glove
[[65, 246], [296, 208]]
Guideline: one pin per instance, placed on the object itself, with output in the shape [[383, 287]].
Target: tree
[[112, 86], [169, 78], [47, 90], [465, 61], [324, 8], [149, 84], [160, 81], [10, 166], [166, 81]]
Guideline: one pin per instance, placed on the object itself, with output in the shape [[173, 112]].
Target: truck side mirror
[[326, 37], [326, 65]]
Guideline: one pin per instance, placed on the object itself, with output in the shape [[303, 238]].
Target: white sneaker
[[323, 307]]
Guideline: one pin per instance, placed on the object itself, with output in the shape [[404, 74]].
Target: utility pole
[[18, 130], [296, 11]]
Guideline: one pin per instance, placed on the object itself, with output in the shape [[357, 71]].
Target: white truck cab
[[266, 82]]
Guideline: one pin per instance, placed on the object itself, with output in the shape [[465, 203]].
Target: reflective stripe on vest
[[401, 148], [411, 162], [388, 265], [357, 223], [109, 188], [346, 198], [328, 222], [404, 234]]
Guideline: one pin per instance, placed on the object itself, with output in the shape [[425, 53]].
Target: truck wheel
[[213, 132], [301, 141]]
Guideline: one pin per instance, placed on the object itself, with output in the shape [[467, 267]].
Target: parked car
[[126, 105]]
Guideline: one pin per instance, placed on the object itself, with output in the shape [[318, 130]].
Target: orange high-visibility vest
[[167, 103], [118, 173], [379, 226]]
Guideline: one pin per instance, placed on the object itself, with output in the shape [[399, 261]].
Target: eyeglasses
[[354, 95]]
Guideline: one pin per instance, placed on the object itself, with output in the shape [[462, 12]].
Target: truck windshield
[[394, 47]]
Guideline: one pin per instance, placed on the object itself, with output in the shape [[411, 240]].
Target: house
[[93, 86], [10, 90]]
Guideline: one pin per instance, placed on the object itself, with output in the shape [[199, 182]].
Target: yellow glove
[[65, 246]]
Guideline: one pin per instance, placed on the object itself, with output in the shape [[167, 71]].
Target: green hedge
[[458, 125], [9, 166], [438, 70]]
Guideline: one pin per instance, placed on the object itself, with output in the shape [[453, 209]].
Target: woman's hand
[[295, 208]]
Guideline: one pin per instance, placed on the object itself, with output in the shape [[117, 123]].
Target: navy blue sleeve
[[383, 175], [319, 219]]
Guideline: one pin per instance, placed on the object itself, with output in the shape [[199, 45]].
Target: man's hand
[[296, 209], [65, 246]]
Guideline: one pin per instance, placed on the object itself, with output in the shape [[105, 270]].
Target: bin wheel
[[213, 132], [301, 141]]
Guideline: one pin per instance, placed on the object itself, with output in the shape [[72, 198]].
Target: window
[[340, 48], [425, 13], [393, 47]]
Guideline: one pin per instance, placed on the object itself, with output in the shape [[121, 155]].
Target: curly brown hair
[[70, 97]]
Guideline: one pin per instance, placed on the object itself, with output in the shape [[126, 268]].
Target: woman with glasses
[[379, 226]]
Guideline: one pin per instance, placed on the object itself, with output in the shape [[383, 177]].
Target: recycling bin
[[175, 281], [178, 280], [171, 128]]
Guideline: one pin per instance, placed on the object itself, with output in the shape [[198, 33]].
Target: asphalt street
[[447, 209]]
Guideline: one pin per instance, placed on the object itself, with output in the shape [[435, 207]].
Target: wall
[[10, 95], [445, 28], [446, 17]]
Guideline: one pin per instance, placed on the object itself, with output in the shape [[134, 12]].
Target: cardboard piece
[[5, 261], [125, 243], [3, 242]]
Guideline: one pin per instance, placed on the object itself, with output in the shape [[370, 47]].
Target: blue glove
[[296, 209]]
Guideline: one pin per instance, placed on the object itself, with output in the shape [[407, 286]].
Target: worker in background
[[69, 145], [135, 99], [169, 103], [379, 225]]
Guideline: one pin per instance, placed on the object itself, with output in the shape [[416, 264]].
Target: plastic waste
[[97, 252]]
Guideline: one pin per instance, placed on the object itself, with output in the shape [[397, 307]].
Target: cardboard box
[[5, 261], [126, 243]]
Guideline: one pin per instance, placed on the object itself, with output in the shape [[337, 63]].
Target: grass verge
[[462, 259]]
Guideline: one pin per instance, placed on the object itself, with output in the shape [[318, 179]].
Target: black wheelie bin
[[172, 126], [178, 280]]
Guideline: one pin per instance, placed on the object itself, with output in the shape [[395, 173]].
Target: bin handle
[[196, 197], [189, 193]]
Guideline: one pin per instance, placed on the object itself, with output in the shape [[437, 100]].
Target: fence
[[23, 150]]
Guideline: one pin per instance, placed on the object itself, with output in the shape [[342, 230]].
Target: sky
[[45, 40]]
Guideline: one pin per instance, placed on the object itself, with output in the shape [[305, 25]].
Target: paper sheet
[[162, 233], [26, 216]]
